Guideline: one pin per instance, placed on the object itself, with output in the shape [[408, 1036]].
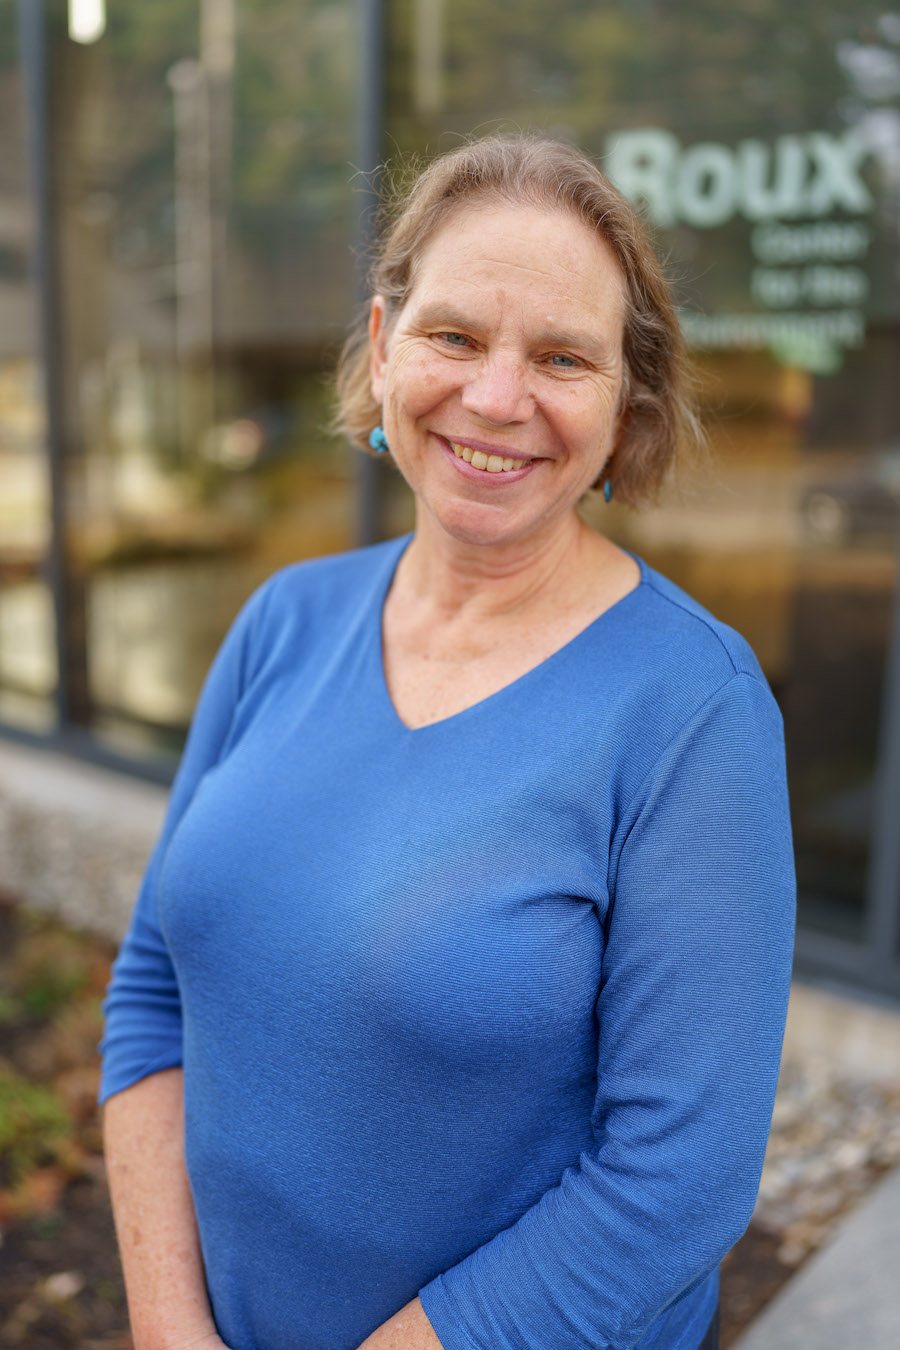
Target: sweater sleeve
[[690, 1014], [142, 1009]]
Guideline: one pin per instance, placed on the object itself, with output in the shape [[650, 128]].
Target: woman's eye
[[562, 361]]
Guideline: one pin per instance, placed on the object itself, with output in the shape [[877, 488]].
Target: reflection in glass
[[206, 210], [27, 641]]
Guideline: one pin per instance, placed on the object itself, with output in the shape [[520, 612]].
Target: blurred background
[[186, 198], [182, 188]]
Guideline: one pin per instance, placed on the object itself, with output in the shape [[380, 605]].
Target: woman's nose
[[499, 391]]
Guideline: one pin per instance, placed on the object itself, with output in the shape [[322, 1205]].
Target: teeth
[[487, 463]]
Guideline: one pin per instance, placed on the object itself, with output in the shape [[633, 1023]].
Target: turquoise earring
[[378, 441], [607, 490]]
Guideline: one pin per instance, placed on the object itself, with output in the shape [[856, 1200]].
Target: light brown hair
[[657, 413]]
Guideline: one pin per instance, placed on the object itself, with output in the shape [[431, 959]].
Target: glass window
[[205, 209], [27, 634], [764, 144]]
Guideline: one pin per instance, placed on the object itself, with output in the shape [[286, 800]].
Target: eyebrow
[[449, 318]]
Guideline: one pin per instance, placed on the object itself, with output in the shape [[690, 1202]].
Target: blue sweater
[[489, 1011]]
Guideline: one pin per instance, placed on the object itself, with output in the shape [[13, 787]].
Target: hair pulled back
[[536, 171]]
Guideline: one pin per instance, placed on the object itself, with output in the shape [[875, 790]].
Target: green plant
[[34, 1127]]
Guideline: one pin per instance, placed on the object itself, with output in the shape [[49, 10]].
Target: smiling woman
[[530, 371], [485, 832], [564, 188]]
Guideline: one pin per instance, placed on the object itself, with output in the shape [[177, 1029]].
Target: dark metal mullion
[[33, 43], [369, 142]]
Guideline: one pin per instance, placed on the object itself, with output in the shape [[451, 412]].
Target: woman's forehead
[[539, 259]]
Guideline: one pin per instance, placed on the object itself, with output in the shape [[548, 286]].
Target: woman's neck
[[489, 583]]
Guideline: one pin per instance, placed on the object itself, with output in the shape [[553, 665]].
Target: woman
[[452, 1007]]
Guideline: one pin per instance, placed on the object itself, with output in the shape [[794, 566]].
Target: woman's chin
[[481, 524]]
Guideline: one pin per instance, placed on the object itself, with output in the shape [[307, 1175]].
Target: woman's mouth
[[484, 462]]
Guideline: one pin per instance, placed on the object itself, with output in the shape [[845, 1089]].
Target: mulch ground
[[60, 1282]]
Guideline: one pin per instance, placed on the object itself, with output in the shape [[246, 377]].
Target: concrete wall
[[74, 838]]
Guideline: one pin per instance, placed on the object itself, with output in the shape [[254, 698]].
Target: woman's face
[[508, 354]]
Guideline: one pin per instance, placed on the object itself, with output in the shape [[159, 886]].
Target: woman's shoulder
[[335, 575], [310, 599], [685, 694], [690, 632], [673, 665], [324, 590]]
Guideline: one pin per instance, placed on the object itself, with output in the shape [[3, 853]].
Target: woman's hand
[[408, 1329]]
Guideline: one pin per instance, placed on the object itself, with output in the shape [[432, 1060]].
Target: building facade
[[185, 199]]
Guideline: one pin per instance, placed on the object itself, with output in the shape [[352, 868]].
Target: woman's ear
[[377, 346]]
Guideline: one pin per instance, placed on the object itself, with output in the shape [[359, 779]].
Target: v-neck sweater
[[488, 1011]]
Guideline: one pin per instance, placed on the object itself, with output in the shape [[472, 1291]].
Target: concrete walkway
[[847, 1296]]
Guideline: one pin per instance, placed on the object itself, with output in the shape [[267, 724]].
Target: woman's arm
[[142, 1082], [144, 1138], [690, 1016]]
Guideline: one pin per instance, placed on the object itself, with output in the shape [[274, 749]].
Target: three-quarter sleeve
[[690, 1017], [142, 1008]]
